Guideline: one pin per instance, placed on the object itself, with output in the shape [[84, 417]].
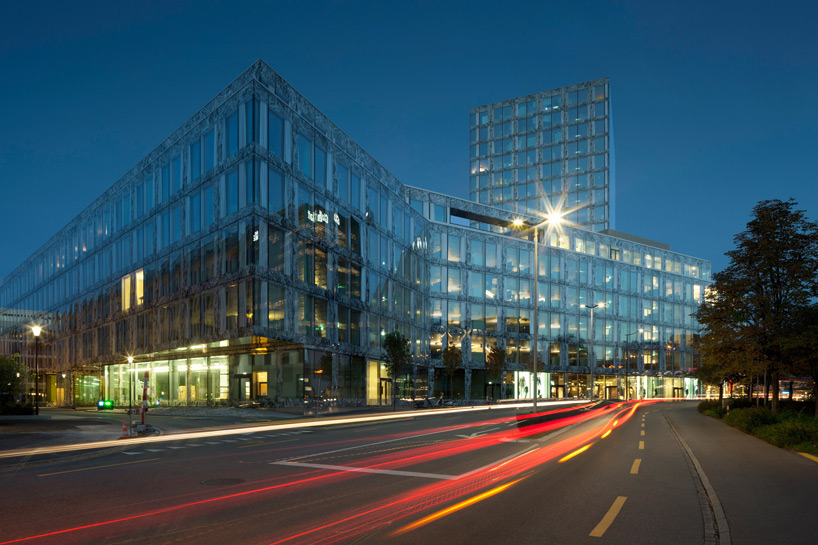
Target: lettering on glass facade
[[320, 216]]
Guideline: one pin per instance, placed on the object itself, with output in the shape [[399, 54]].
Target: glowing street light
[[591, 355], [553, 220], [130, 395], [36, 330]]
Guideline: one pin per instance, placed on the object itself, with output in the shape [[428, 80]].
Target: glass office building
[[547, 150], [258, 253]]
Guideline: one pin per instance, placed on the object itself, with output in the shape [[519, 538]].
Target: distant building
[[258, 237]]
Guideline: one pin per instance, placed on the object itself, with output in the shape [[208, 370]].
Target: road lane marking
[[643, 424], [477, 433], [175, 448], [155, 449], [810, 456], [354, 469], [641, 445], [609, 517], [575, 453], [456, 507], [97, 467], [635, 466], [253, 445], [643, 433]]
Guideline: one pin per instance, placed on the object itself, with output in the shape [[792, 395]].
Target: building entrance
[[385, 392]]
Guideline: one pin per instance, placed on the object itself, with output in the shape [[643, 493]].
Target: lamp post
[[554, 219], [591, 355], [628, 360], [36, 330], [130, 395]]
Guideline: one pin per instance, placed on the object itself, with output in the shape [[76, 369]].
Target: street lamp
[[553, 220], [130, 394], [36, 330], [628, 360], [591, 355]]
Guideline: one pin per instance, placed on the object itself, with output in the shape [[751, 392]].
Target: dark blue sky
[[714, 103]]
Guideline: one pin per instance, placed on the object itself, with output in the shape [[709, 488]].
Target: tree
[[725, 354], [801, 347], [326, 370], [770, 278], [397, 357], [12, 379], [496, 363], [452, 359]]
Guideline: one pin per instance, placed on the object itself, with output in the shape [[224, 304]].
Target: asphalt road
[[662, 473]]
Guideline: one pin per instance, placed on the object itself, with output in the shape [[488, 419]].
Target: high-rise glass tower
[[547, 150]]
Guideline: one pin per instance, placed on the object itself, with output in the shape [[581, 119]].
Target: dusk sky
[[714, 103]]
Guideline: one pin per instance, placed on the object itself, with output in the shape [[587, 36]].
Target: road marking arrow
[[477, 433]]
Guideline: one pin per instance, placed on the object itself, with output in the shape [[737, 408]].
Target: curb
[[73, 458]]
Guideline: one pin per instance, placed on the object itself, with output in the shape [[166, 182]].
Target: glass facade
[[646, 297], [259, 254], [547, 150]]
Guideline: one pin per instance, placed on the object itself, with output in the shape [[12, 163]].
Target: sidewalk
[[60, 426], [66, 426]]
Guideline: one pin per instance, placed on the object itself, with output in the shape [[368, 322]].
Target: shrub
[[749, 419], [17, 409], [708, 405], [714, 413], [741, 403], [800, 433]]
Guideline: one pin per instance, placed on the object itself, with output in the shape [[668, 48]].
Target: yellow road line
[[810, 456], [252, 445], [578, 451], [643, 424], [457, 507], [635, 466], [609, 517], [97, 467], [643, 433], [641, 445]]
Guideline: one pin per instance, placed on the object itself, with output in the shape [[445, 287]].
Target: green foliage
[[755, 303], [396, 354], [796, 433], [12, 378], [791, 428], [16, 409], [714, 413], [326, 365], [749, 419], [741, 403], [452, 359], [708, 405], [495, 361]]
